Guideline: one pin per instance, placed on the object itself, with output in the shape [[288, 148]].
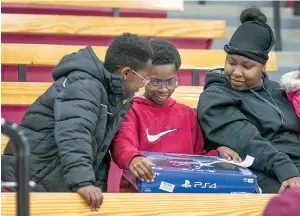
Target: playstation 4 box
[[182, 173]]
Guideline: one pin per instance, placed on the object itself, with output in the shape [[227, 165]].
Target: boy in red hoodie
[[158, 123]]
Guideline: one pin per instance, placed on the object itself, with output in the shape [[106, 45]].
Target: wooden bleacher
[[166, 5], [111, 26], [4, 140], [25, 93], [45, 54], [95, 30], [134, 204]]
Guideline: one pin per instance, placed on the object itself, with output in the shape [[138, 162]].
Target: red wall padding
[[79, 11], [9, 73]]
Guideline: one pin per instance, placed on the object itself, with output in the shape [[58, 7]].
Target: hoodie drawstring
[[273, 105]]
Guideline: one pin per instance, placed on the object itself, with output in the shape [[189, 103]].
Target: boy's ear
[[264, 68], [177, 83], [124, 72]]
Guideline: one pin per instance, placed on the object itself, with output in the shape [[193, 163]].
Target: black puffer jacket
[[259, 122], [70, 127]]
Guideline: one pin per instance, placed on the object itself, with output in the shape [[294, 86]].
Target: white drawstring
[[106, 107], [64, 83]]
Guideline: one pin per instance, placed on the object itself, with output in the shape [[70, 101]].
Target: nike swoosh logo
[[153, 138]]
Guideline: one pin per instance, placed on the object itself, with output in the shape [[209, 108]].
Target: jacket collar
[[113, 84]]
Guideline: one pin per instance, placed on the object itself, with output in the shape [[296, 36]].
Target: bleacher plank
[[4, 140], [165, 5], [19, 93], [42, 54], [135, 204], [112, 26], [25, 93]]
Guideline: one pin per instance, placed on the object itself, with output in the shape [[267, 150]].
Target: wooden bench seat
[[165, 5], [25, 93], [4, 140], [134, 204], [111, 26], [42, 54]]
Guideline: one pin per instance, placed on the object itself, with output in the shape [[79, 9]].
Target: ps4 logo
[[187, 184]]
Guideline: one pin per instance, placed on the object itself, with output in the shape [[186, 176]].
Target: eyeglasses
[[145, 80], [169, 84]]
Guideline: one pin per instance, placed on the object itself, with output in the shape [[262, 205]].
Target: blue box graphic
[[182, 173]]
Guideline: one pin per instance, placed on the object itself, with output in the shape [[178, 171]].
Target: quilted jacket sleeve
[[76, 110]]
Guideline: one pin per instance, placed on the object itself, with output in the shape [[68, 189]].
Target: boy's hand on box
[[229, 154], [141, 168], [92, 195]]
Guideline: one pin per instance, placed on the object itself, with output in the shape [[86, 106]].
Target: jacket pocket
[[45, 171], [43, 158], [54, 181]]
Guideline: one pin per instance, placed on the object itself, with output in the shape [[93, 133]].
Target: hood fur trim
[[290, 81]]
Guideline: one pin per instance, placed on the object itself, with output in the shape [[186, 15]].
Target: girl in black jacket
[[244, 110]]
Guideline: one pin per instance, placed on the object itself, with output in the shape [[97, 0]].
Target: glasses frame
[[145, 80], [158, 87]]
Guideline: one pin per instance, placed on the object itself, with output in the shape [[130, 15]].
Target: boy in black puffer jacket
[[70, 126]]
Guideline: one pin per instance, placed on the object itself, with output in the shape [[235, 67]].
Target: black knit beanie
[[254, 38]]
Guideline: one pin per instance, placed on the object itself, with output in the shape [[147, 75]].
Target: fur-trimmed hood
[[290, 81]]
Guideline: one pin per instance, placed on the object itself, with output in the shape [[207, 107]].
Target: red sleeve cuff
[[213, 153], [128, 158]]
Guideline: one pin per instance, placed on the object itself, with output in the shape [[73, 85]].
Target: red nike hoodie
[[171, 128]]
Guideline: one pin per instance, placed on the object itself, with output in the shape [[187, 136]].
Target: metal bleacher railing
[[21, 152]]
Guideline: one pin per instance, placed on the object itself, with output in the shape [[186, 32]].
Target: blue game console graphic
[[182, 173]]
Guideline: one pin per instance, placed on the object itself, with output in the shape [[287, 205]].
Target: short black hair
[[127, 50], [164, 53]]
